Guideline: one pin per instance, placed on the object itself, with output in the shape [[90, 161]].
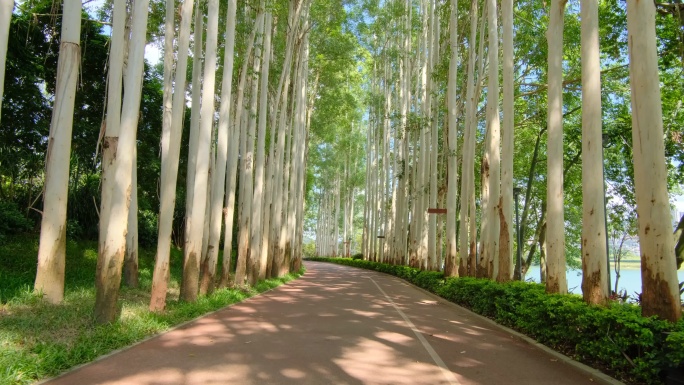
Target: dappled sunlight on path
[[332, 326]]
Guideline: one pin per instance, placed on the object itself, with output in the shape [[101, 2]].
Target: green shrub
[[309, 250], [615, 339], [147, 228], [74, 229], [357, 256], [12, 220]]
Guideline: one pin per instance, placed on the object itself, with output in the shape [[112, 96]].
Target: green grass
[[40, 340]]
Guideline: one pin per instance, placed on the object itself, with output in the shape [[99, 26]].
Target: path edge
[[595, 374], [180, 325]]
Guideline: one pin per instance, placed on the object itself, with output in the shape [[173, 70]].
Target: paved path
[[334, 325]]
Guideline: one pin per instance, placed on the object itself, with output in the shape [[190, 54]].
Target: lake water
[[630, 279]]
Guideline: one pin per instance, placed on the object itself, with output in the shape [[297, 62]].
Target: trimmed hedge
[[615, 339]]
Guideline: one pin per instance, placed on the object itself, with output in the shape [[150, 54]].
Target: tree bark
[[556, 281], [467, 160], [492, 167], [279, 191], [235, 169], [195, 223], [226, 138], [246, 264], [336, 221], [259, 250], [171, 134], [130, 268], [433, 259], [195, 112], [506, 205], [219, 184], [110, 257], [52, 247], [660, 291], [451, 267], [594, 253], [6, 8]]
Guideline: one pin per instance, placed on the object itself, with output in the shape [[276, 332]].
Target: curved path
[[334, 325]]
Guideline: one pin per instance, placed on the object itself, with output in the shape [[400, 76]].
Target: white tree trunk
[[433, 259], [238, 138], [279, 193], [195, 112], [220, 186], [421, 174], [278, 122], [113, 119], [594, 253], [660, 292], [6, 8], [246, 263], [110, 258], [467, 176], [290, 166], [555, 233], [405, 76], [52, 247], [365, 242], [171, 134], [283, 238], [207, 209], [257, 243], [452, 263], [506, 204], [307, 107], [475, 257], [301, 150], [298, 147], [493, 165], [131, 259], [387, 190], [345, 211], [337, 218], [195, 223]]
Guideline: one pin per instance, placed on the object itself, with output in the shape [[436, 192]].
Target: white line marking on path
[[448, 375]]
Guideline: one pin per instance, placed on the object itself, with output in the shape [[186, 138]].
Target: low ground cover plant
[[615, 339]]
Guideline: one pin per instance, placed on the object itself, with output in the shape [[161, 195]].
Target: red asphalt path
[[334, 325]]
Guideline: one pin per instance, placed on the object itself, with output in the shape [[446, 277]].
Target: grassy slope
[[39, 340]]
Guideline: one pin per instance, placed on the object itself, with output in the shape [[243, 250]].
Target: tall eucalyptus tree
[[506, 202], [594, 252], [660, 292], [52, 246], [192, 251], [281, 105], [195, 115], [111, 254], [298, 174], [451, 267], [239, 130], [226, 138], [245, 263], [434, 138], [491, 167], [466, 215], [556, 281], [174, 109], [258, 257]]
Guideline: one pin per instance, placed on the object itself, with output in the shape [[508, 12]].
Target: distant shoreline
[[624, 265]]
